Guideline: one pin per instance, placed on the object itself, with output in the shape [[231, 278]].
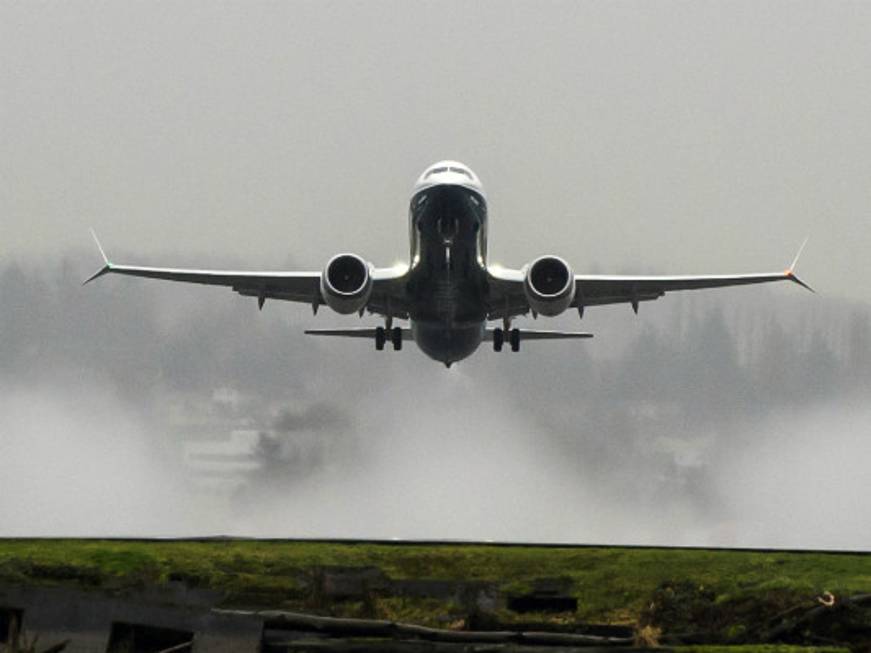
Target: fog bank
[[135, 408]]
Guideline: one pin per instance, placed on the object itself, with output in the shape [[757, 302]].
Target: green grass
[[611, 584], [759, 648]]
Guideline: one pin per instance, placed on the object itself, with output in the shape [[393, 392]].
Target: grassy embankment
[[611, 584], [756, 648]]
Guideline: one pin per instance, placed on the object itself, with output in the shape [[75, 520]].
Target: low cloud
[[719, 419]]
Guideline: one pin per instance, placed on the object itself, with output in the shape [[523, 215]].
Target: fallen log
[[405, 646], [379, 628]]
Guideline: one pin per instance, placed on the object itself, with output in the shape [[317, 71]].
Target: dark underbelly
[[447, 343]]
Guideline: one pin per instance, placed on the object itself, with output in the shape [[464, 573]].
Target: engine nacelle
[[549, 284], [346, 283]]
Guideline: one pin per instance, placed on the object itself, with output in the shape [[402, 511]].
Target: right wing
[[599, 289], [507, 297]]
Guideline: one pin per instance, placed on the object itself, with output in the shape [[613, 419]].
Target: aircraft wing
[[507, 297], [596, 290], [303, 287], [388, 292], [290, 286]]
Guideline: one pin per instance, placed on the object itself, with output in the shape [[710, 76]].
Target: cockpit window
[[436, 171], [462, 171]]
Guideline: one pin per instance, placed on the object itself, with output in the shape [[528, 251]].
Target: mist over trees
[[642, 416]]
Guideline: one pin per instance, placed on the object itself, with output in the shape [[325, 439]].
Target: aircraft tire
[[396, 337], [380, 338], [498, 339], [514, 337]]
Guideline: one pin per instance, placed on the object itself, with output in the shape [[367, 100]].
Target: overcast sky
[[675, 137], [650, 137]]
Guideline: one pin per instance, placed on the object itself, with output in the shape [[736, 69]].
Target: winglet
[[107, 266], [100, 247], [790, 272], [795, 260]]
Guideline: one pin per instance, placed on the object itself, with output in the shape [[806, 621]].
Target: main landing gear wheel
[[514, 337], [380, 338], [396, 337], [498, 339]]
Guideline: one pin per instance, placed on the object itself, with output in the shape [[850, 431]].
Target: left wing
[[290, 286], [507, 297], [303, 287]]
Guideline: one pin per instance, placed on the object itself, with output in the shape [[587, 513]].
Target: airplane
[[448, 292]]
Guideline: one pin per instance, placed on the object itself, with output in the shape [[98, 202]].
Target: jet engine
[[549, 284], [346, 283]]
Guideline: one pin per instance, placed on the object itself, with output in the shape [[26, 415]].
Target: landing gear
[[498, 339], [514, 338], [393, 333]]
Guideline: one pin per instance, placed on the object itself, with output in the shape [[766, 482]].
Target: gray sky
[[683, 137], [648, 137]]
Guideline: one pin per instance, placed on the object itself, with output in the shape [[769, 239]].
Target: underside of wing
[[289, 286], [387, 289], [596, 290], [389, 297], [507, 296]]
